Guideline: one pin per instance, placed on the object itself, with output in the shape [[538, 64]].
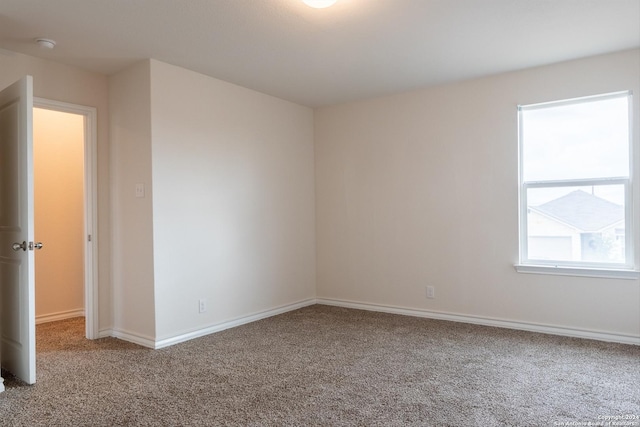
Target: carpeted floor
[[326, 366]]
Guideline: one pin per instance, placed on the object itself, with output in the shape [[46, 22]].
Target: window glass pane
[[588, 139], [577, 224]]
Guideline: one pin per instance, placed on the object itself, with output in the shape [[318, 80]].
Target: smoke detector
[[46, 43]]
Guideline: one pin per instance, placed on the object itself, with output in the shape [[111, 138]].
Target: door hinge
[[89, 238]]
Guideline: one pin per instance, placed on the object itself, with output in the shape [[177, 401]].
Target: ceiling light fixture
[[319, 4], [46, 43]]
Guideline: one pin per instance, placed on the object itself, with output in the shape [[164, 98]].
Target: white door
[[17, 284]]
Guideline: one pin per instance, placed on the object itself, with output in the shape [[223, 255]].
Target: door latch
[[37, 246]]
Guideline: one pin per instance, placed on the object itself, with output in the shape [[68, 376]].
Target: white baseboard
[[487, 321], [105, 333], [142, 340], [453, 317], [232, 323], [61, 315]]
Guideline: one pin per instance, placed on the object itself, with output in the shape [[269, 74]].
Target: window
[[575, 183]]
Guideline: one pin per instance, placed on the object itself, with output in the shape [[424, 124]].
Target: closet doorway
[[64, 213]]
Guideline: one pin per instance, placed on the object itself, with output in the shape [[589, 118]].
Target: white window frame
[[577, 268]]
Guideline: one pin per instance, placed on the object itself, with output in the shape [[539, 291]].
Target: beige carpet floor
[[327, 366]]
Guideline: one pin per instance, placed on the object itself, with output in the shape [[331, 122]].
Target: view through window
[[575, 191]]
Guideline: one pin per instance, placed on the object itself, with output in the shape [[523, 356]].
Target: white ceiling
[[353, 50]]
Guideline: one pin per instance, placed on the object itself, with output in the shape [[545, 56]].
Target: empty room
[[320, 212]]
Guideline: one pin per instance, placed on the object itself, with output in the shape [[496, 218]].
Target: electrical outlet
[[202, 305], [431, 292]]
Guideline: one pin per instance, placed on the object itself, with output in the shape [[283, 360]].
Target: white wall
[[421, 188], [233, 200], [132, 236], [413, 189], [58, 160], [69, 84]]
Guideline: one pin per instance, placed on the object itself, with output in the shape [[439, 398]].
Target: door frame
[[91, 290]]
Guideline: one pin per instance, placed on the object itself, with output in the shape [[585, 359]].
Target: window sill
[[577, 271]]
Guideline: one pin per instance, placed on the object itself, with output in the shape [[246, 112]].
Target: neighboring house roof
[[583, 211]]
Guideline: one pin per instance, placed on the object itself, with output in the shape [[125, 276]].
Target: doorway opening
[[64, 150]]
